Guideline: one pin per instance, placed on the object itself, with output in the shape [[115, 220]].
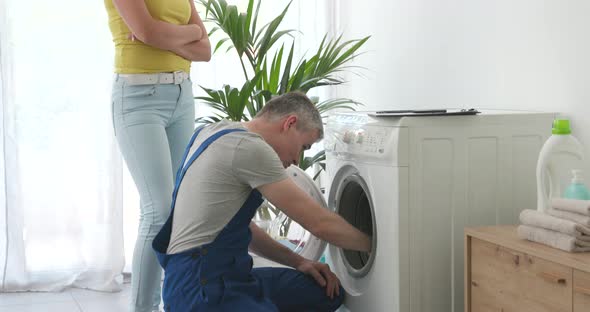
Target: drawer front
[[581, 291], [506, 280]]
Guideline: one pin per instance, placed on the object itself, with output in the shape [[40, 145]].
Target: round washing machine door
[[350, 198], [289, 232]]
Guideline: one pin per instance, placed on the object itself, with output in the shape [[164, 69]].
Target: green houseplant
[[270, 70]]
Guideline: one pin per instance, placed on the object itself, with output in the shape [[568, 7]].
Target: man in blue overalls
[[203, 247]]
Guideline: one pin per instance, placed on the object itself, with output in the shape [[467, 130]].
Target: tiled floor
[[70, 300], [80, 300]]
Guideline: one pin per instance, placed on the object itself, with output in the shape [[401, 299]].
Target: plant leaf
[[285, 80]]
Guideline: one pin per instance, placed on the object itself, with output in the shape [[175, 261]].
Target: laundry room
[[290, 155]]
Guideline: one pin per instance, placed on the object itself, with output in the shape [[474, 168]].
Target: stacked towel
[[572, 216], [550, 238], [566, 226], [581, 207], [545, 221]]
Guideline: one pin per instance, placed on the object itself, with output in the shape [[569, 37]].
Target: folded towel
[[550, 238], [572, 216], [572, 205], [545, 221]]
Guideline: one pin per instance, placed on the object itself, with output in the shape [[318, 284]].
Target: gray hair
[[296, 103]]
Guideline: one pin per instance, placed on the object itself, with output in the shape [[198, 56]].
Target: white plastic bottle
[[561, 153]]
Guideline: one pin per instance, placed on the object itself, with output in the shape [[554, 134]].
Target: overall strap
[[186, 151], [162, 239], [184, 167]]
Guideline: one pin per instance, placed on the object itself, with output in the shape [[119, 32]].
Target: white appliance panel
[[446, 173]]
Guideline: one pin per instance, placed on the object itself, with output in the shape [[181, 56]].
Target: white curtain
[[68, 208], [62, 214]]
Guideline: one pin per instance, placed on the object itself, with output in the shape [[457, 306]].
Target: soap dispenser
[[577, 189]]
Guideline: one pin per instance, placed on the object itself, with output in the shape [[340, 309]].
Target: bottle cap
[[561, 126]]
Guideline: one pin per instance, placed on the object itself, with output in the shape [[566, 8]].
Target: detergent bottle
[[560, 154], [577, 189]]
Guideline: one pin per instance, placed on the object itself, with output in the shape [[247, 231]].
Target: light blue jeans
[[153, 124]]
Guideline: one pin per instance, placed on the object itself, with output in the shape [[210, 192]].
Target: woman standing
[[153, 114]]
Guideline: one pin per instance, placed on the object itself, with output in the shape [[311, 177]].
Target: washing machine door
[[350, 197], [290, 233]]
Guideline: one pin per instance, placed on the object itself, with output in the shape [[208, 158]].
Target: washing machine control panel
[[364, 142]]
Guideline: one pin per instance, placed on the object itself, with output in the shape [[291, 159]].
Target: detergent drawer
[[369, 144]]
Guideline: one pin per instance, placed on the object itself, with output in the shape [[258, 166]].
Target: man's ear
[[289, 122]]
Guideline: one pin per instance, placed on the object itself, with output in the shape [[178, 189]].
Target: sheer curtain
[[68, 208], [62, 214]]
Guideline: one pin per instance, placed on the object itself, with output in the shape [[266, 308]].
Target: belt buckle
[[178, 77]]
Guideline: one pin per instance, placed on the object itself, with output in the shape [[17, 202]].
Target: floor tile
[[85, 294], [120, 304], [68, 306], [20, 298]]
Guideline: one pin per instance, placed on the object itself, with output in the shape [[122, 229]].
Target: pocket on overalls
[[177, 303], [173, 294], [243, 264], [234, 289]]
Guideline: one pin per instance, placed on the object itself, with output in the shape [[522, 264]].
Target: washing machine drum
[[290, 233]]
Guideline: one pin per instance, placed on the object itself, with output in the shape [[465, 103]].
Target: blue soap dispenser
[[577, 189]]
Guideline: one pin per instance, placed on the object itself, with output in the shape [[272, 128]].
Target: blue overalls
[[219, 277]]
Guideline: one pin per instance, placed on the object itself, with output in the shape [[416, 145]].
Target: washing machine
[[414, 184]]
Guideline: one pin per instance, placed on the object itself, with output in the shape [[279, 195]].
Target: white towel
[[545, 221], [572, 216], [550, 238], [572, 205]]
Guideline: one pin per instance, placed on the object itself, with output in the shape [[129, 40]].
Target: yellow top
[[135, 57]]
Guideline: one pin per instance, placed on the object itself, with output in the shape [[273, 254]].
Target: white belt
[[176, 77]]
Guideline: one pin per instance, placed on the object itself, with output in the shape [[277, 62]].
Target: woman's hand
[[323, 275], [154, 32]]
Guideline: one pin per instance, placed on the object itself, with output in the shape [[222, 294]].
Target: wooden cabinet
[[505, 273], [581, 291]]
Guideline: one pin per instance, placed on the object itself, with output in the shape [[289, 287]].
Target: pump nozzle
[[578, 176]]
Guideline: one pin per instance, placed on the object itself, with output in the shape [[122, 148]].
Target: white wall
[[509, 54]]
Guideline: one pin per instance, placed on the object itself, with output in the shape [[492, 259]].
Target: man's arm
[[263, 245], [200, 50], [322, 223], [153, 32]]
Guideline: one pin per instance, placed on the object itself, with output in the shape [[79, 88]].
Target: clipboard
[[424, 112]]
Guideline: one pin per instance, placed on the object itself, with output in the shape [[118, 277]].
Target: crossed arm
[[188, 41]]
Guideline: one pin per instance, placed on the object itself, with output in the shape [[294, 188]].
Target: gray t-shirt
[[218, 183]]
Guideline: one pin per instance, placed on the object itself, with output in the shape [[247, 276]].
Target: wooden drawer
[[506, 280], [581, 291]]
